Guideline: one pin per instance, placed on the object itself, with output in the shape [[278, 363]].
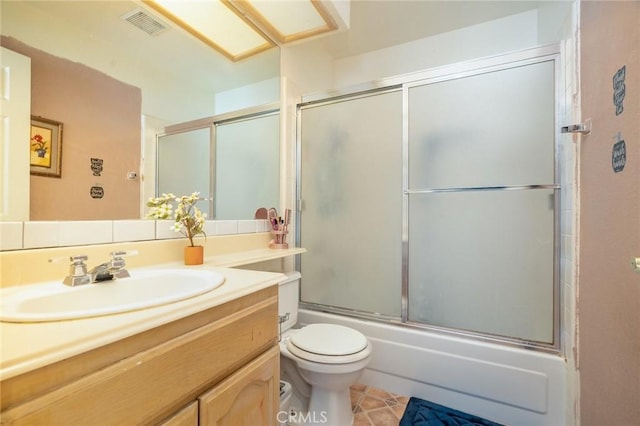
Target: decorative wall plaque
[[619, 156], [619, 89], [97, 192], [96, 166]]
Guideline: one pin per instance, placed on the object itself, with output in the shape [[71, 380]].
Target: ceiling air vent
[[145, 22]]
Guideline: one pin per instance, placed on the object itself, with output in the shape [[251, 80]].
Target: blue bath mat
[[424, 413]]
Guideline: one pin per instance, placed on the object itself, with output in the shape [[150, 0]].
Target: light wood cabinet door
[[250, 396], [188, 416]]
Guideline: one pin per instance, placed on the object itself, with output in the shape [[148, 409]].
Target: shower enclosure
[[233, 160], [432, 200]]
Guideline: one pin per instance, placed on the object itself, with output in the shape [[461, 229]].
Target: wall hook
[[584, 128]]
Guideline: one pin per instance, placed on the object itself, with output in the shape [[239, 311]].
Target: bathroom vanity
[[211, 359]]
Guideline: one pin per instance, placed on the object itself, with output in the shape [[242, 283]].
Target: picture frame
[[45, 147]]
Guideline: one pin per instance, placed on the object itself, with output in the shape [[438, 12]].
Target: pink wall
[[608, 288], [101, 118]]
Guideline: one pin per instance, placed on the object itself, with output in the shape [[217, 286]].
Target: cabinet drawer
[[152, 384]]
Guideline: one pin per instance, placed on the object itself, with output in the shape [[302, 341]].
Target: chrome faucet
[[108, 271], [115, 268]]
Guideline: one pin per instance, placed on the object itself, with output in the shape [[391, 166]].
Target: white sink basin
[[54, 301]]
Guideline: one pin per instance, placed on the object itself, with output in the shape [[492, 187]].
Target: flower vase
[[194, 255]]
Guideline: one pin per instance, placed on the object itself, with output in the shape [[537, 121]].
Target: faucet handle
[[72, 259], [78, 260], [118, 263], [77, 270]]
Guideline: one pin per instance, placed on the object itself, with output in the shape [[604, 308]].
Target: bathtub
[[508, 385]]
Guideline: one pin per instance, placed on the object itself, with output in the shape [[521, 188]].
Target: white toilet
[[321, 361]]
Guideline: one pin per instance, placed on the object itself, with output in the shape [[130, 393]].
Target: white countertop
[[247, 257], [27, 346]]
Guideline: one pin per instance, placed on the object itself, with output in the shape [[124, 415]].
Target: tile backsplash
[[20, 267], [11, 235], [32, 235]]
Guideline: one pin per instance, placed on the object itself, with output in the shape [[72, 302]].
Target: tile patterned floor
[[376, 407]]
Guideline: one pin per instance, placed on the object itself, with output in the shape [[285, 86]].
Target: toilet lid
[[329, 339]]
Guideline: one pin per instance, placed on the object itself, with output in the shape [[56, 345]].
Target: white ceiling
[[374, 24]]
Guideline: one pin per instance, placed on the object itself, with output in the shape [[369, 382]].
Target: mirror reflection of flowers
[[38, 143], [189, 220]]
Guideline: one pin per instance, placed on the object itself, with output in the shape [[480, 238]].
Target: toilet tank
[[288, 298]]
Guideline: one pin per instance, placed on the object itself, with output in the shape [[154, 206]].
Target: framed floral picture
[[45, 147]]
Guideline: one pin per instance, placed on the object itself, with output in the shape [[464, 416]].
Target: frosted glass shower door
[[247, 166], [350, 186], [184, 164], [481, 196]]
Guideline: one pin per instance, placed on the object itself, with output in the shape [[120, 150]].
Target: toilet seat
[[329, 344]]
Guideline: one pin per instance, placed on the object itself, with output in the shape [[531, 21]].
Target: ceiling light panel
[[287, 20], [215, 24]]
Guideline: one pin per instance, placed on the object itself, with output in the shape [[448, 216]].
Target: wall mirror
[[229, 159], [179, 79]]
